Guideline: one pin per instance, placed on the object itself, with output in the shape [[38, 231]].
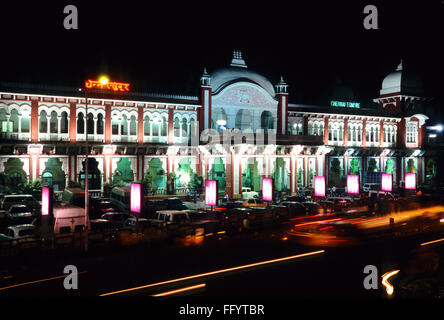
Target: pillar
[[34, 121], [72, 122]]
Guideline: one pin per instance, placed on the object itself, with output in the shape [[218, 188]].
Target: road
[[250, 260]]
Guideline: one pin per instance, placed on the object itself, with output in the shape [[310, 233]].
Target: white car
[[21, 231], [248, 194]]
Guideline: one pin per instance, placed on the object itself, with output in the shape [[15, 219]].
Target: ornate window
[[412, 132]]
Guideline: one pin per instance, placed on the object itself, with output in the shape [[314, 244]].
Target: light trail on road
[[41, 280], [251, 265]]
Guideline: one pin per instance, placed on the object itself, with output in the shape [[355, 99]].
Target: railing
[[25, 136]]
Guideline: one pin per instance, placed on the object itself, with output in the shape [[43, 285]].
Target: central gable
[[245, 95]]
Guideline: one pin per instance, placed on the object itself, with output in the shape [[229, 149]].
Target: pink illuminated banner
[[267, 189], [211, 193], [136, 197], [410, 181], [319, 186], [45, 200], [353, 183], [387, 182]]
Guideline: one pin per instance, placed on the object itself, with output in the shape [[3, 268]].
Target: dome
[[238, 72], [402, 81]]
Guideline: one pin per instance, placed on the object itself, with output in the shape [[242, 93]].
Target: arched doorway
[[244, 120], [123, 173], [54, 175], [217, 172], [94, 175], [267, 121]]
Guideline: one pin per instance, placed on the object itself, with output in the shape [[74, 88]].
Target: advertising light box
[[353, 184], [267, 189], [319, 186], [410, 181], [211, 193], [45, 200], [136, 197], [386, 182]]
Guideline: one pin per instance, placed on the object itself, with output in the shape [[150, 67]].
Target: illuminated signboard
[[211, 192], [345, 104], [410, 181], [111, 86], [136, 197], [387, 182], [46, 198], [267, 189], [319, 186], [353, 183]]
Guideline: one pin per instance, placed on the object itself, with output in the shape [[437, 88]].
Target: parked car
[[233, 219], [19, 232], [294, 198], [259, 217], [254, 203], [141, 223], [25, 199], [98, 207], [101, 226], [329, 206], [313, 207], [117, 219], [19, 214], [247, 193], [172, 204], [280, 212], [295, 209], [371, 186]]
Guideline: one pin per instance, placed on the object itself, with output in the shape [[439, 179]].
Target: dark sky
[[163, 47]]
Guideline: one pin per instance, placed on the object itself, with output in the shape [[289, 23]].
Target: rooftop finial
[[237, 60]]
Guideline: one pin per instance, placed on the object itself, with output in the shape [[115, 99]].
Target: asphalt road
[[333, 273]]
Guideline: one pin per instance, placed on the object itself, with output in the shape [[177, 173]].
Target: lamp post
[[86, 182]]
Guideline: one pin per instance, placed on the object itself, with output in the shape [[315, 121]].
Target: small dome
[[402, 81], [238, 72]]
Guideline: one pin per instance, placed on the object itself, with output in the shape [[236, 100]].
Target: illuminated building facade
[[132, 135]]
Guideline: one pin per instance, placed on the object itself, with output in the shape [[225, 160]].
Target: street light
[[103, 80]]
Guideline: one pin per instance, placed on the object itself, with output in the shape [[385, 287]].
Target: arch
[[243, 119], [53, 122], [53, 174], [184, 127], [80, 123], [64, 122], [133, 126], [164, 125], [267, 121], [100, 123], [14, 120], [90, 123], [43, 122], [219, 118], [124, 125], [146, 125]]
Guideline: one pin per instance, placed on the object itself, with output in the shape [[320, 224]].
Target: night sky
[[163, 47]]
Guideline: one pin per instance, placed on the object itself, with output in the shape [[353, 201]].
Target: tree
[[411, 166], [354, 166], [389, 166], [335, 171], [372, 165]]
